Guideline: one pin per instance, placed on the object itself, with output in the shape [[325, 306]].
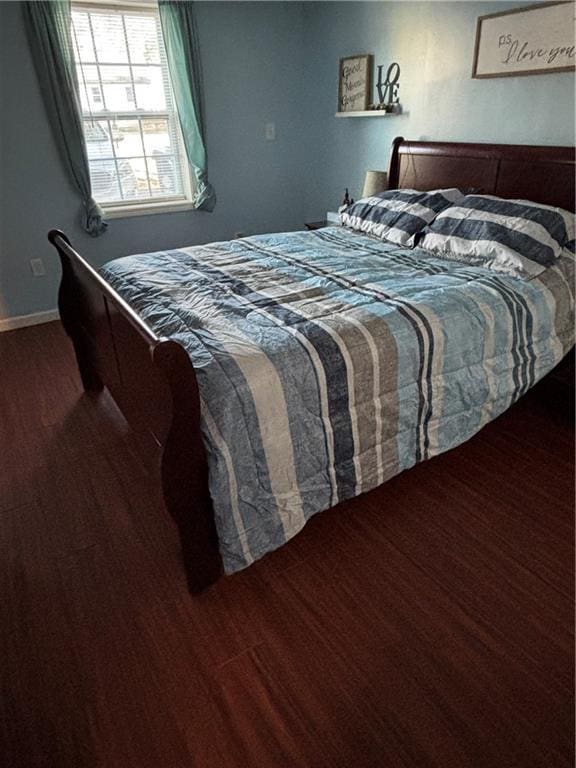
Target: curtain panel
[[183, 55], [48, 23]]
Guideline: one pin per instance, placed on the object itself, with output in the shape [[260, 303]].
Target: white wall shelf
[[370, 113]]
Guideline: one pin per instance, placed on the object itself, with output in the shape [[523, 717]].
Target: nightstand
[[332, 220]]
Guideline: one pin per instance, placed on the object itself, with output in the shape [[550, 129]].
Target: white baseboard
[[22, 321]]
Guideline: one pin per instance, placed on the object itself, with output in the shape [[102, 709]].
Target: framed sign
[[525, 41], [354, 83]]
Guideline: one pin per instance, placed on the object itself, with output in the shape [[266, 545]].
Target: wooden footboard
[[153, 382]]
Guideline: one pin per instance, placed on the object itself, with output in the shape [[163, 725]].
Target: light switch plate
[[37, 267], [270, 131]]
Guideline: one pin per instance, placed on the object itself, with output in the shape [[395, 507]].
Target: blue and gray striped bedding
[[330, 361]]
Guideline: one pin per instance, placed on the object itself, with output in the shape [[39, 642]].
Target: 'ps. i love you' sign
[[526, 41]]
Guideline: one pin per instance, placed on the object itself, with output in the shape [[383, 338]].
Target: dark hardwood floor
[[427, 624]]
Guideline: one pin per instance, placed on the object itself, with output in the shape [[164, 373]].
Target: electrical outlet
[[270, 131], [37, 267]]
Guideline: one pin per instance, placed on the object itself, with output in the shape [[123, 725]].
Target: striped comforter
[[330, 361]]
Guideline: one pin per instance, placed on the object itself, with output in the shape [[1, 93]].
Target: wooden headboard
[[542, 174]]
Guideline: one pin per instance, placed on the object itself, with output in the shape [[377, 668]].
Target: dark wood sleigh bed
[[152, 379]]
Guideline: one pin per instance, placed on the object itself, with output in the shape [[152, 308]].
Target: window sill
[[124, 212]]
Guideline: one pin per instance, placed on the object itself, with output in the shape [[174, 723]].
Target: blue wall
[[269, 62], [252, 58], [433, 42]]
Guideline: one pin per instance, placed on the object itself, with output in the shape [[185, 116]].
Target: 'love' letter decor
[[388, 89]]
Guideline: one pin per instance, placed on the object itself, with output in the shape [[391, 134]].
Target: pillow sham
[[398, 215], [517, 237]]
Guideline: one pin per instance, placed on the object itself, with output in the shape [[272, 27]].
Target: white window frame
[[116, 210]]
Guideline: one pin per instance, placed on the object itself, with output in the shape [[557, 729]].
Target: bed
[[277, 375]]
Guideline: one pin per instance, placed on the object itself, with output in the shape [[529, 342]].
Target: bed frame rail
[[153, 382]]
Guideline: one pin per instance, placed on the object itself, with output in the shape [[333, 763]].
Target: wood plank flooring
[[427, 624]]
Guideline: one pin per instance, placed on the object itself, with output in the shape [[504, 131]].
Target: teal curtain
[[183, 55], [49, 31]]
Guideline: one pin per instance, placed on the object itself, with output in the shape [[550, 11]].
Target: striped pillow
[[398, 215], [517, 237]]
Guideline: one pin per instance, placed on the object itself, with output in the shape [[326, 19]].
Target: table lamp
[[374, 182]]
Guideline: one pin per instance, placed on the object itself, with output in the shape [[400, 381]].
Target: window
[[135, 151]]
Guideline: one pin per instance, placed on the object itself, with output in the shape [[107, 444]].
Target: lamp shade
[[374, 182]]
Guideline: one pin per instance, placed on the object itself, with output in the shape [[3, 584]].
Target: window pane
[[149, 87], [82, 37], [88, 84], [98, 142], [156, 136], [164, 175], [104, 180], [163, 164], [117, 84], [127, 139], [134, 178], [109, 37], [142, 39]]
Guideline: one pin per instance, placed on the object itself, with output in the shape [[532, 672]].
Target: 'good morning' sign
[[526, 41], [354, 83]]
